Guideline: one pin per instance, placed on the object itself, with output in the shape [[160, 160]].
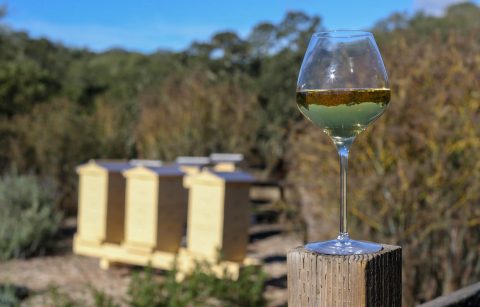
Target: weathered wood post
[[370, 280]]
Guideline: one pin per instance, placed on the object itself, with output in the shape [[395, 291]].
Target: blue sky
[[148, 25]]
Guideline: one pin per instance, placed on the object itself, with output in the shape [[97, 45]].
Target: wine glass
[[342, 88]]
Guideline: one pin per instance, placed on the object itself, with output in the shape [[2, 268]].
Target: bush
[[28, 220], [102, 299], [8, 297], [200, 288], [59, 299], [11, 295], [191, 115], [50, 141]]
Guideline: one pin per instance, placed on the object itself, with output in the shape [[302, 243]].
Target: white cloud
[[434, 7]]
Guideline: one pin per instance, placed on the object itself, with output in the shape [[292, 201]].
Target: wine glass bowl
[[342, 88]]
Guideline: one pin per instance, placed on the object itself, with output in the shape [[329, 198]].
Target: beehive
[[219, 215], [191, 166], [101, 203], [225, 162], [156, 209]]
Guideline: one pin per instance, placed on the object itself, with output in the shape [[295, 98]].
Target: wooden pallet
[[185, 260]]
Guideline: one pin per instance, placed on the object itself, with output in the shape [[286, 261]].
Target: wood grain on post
[[370, 280]]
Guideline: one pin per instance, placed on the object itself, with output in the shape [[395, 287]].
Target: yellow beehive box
[[101, 203], [156, 209], [219, 215]]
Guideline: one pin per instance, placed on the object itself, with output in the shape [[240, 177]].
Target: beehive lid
[[103, 165], [170, 170], [235, 176], [226, 158], [144, 162], [152, 171], [211, 176], [192, 161], [114, 166]]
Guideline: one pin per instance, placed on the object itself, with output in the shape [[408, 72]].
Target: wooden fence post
[[370, 280]]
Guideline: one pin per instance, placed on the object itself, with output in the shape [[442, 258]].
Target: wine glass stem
[[343, 147], [343, 192]]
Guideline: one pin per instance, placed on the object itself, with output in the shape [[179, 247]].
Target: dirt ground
[[76, 276]]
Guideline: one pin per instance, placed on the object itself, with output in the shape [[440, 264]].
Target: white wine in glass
[[342, 88]]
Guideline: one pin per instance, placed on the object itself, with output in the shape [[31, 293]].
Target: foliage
[[414, 177], [101, 299], [143, 290], [8, 296], [202, 116], [28, 221], [52, 139], [98, 298], [59, 299], [200, 288]]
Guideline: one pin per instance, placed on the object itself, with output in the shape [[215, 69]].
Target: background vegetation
[[415, 175], [28, 220]]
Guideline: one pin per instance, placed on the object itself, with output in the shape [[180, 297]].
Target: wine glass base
[[343, 247]]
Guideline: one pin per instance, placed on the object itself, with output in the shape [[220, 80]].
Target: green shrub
[[28, 221], [102, 299], [60, 299], [8, 296], [143, 290], [57, 298], [200, 288], [12, 295]]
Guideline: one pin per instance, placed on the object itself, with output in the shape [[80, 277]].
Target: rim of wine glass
[[342, 33]]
